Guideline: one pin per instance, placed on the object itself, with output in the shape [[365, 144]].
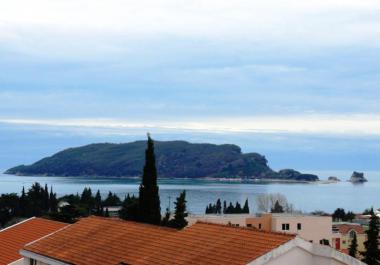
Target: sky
[[297, 81]]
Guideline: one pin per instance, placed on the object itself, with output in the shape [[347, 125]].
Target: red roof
[[99, 241], [345, 228], [15, 237]]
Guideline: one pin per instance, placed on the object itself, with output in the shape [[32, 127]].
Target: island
[[357, 177], [175, 159]]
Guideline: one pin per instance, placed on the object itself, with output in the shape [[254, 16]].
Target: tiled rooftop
[[99, 241], [13, 238], [345, 228]]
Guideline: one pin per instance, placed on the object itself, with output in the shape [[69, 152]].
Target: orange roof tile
[[345, 228], [13, 238], [98, 241]]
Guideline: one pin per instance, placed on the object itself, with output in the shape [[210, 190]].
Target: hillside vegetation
[[175, 159]]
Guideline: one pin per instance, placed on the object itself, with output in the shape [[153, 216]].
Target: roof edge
[[315, 249], [19, 223]]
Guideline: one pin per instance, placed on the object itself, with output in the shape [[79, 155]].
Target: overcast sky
[[277, 76]]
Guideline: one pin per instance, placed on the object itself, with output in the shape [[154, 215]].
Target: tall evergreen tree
[[218, 206], [353, 247], [98, 203], [372, 252], [149, 200], [224, 207], [46, 198], [23, 202], [246, 207], [53, 201], [180, 213]]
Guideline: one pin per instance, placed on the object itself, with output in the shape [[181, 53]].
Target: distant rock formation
[[358, 177], [334, 179], [292, 174]]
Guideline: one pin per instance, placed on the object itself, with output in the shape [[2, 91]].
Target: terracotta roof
[[96, 240], [15, 237], [346, 228]]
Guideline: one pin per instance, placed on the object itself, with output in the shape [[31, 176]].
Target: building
[[13, 238], [343, 233], [98, 241], [238, 220], [310, 227]]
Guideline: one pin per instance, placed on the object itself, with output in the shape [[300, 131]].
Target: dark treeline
[[341, 215], [217, 208], [37, 201]]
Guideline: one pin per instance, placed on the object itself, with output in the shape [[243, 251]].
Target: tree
[[98, 203], [277, 208], [266, 202], [130, 209], [246, 207], [224, 206], [23, 203], [180, 212], [353, 246], [53, 201], [107, 214], [149, 200], [372, 252], [218, 207], [46, 198], [339, 214], [165, 220]]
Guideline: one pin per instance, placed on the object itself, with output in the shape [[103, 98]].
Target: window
[[249, 225], [259, 226], [352, 234], [285, 227], [32, 262], [299, 226]]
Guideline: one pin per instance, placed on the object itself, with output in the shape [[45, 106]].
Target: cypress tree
[[218, 207], [46, 198], [246, 207], [53, 202], [98, 203], [149, 200], [23, 202], [180, 213], [224, 207], [353, 247], [372, 252]]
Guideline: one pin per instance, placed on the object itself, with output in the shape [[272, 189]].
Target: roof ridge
[[119, 220], [67, 226], [24, 221]]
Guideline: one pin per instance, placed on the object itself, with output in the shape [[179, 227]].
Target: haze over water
[[305, 197]]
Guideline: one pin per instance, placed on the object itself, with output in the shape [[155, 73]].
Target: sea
[[305, 197]]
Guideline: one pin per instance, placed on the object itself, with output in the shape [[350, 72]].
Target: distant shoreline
[[220, 179]]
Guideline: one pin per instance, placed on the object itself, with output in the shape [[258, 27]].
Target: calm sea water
[[305, 197]]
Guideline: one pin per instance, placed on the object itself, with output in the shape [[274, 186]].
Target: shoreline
[[222, 179]]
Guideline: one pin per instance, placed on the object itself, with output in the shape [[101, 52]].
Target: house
[[98, 241], [113, 211], [312, 228], [343, 233], [13, 238]]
